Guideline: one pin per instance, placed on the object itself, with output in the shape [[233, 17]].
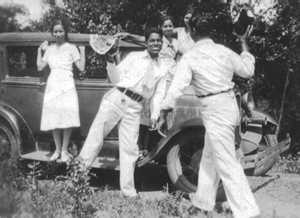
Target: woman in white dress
[[60, 112]]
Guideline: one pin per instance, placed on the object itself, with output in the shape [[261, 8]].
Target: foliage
[[134, 15], [71, 196], [66, 196], [44, 24], [11, 184], [288, 164], [8, 13]]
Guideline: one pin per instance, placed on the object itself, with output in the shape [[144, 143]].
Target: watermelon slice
[[102, 43]]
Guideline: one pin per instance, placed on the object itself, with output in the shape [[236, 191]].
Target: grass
[[287, 164], [69, 195]]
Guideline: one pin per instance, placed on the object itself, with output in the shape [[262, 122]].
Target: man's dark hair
[[150, 30], [202, 23]]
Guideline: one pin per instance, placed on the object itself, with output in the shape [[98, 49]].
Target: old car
[[21, 95]]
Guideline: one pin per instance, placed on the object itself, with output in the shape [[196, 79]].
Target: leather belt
[[211, 94], [134, 96]]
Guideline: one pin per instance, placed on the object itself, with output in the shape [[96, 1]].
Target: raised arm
[[244, 64], [41, 62], [80, 63]]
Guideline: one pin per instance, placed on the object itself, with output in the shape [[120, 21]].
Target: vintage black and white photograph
[[150, 108]]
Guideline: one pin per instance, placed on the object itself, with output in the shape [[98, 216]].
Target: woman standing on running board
[[60, 112]]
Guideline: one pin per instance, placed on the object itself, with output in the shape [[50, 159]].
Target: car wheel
[[183, 161], [8, 143]]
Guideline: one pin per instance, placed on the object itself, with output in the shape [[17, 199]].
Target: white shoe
[[55, 156], [65, 156]]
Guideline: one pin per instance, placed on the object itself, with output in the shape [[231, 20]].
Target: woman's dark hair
[[165, 18], [150, 30], [63, 22], [189, 10]]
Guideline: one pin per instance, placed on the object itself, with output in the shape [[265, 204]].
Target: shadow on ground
[[148, 178]]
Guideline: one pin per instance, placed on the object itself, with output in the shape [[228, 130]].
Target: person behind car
[[141, 77], [209, 67], [60, 112], [185, 41], [169, 49]]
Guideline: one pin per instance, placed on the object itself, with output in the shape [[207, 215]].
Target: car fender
[[162, 146], [250, 140], [19, 127]]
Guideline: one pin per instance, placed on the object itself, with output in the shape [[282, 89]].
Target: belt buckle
[[123, 97]]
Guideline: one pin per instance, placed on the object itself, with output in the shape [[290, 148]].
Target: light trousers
[[116, 108], [220, 117]]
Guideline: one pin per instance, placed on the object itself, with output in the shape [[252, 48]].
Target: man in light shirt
[[141, 77], [209, 67]]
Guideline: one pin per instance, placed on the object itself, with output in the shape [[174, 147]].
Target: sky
[[35, 9]]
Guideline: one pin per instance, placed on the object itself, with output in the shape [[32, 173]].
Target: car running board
[[100, 162]]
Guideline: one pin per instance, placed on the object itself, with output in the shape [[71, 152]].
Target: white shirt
[[209, 68], [169, 49], [133, 71]]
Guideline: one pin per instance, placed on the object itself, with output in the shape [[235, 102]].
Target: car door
[[91, 88], [21, 82]]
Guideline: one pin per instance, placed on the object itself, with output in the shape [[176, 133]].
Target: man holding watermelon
[[141, 76]]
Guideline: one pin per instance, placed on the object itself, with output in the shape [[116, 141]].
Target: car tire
[[188, 184], [8, 143], [183, 180]]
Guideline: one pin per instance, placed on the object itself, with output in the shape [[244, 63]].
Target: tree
[[8, 13], [44, 24]]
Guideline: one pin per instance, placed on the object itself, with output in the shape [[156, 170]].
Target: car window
[[95, 65], [22, 61]]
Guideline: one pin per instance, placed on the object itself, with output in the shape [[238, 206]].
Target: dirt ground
[[277, 197], [280, 198], [277, 194]]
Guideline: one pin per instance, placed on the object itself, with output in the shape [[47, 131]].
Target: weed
[[288, 164]]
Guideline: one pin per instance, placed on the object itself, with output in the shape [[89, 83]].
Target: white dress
[[60, 106]]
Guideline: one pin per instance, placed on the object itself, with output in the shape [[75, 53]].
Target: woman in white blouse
[[170, 44], [185, 41], [60, 112]]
